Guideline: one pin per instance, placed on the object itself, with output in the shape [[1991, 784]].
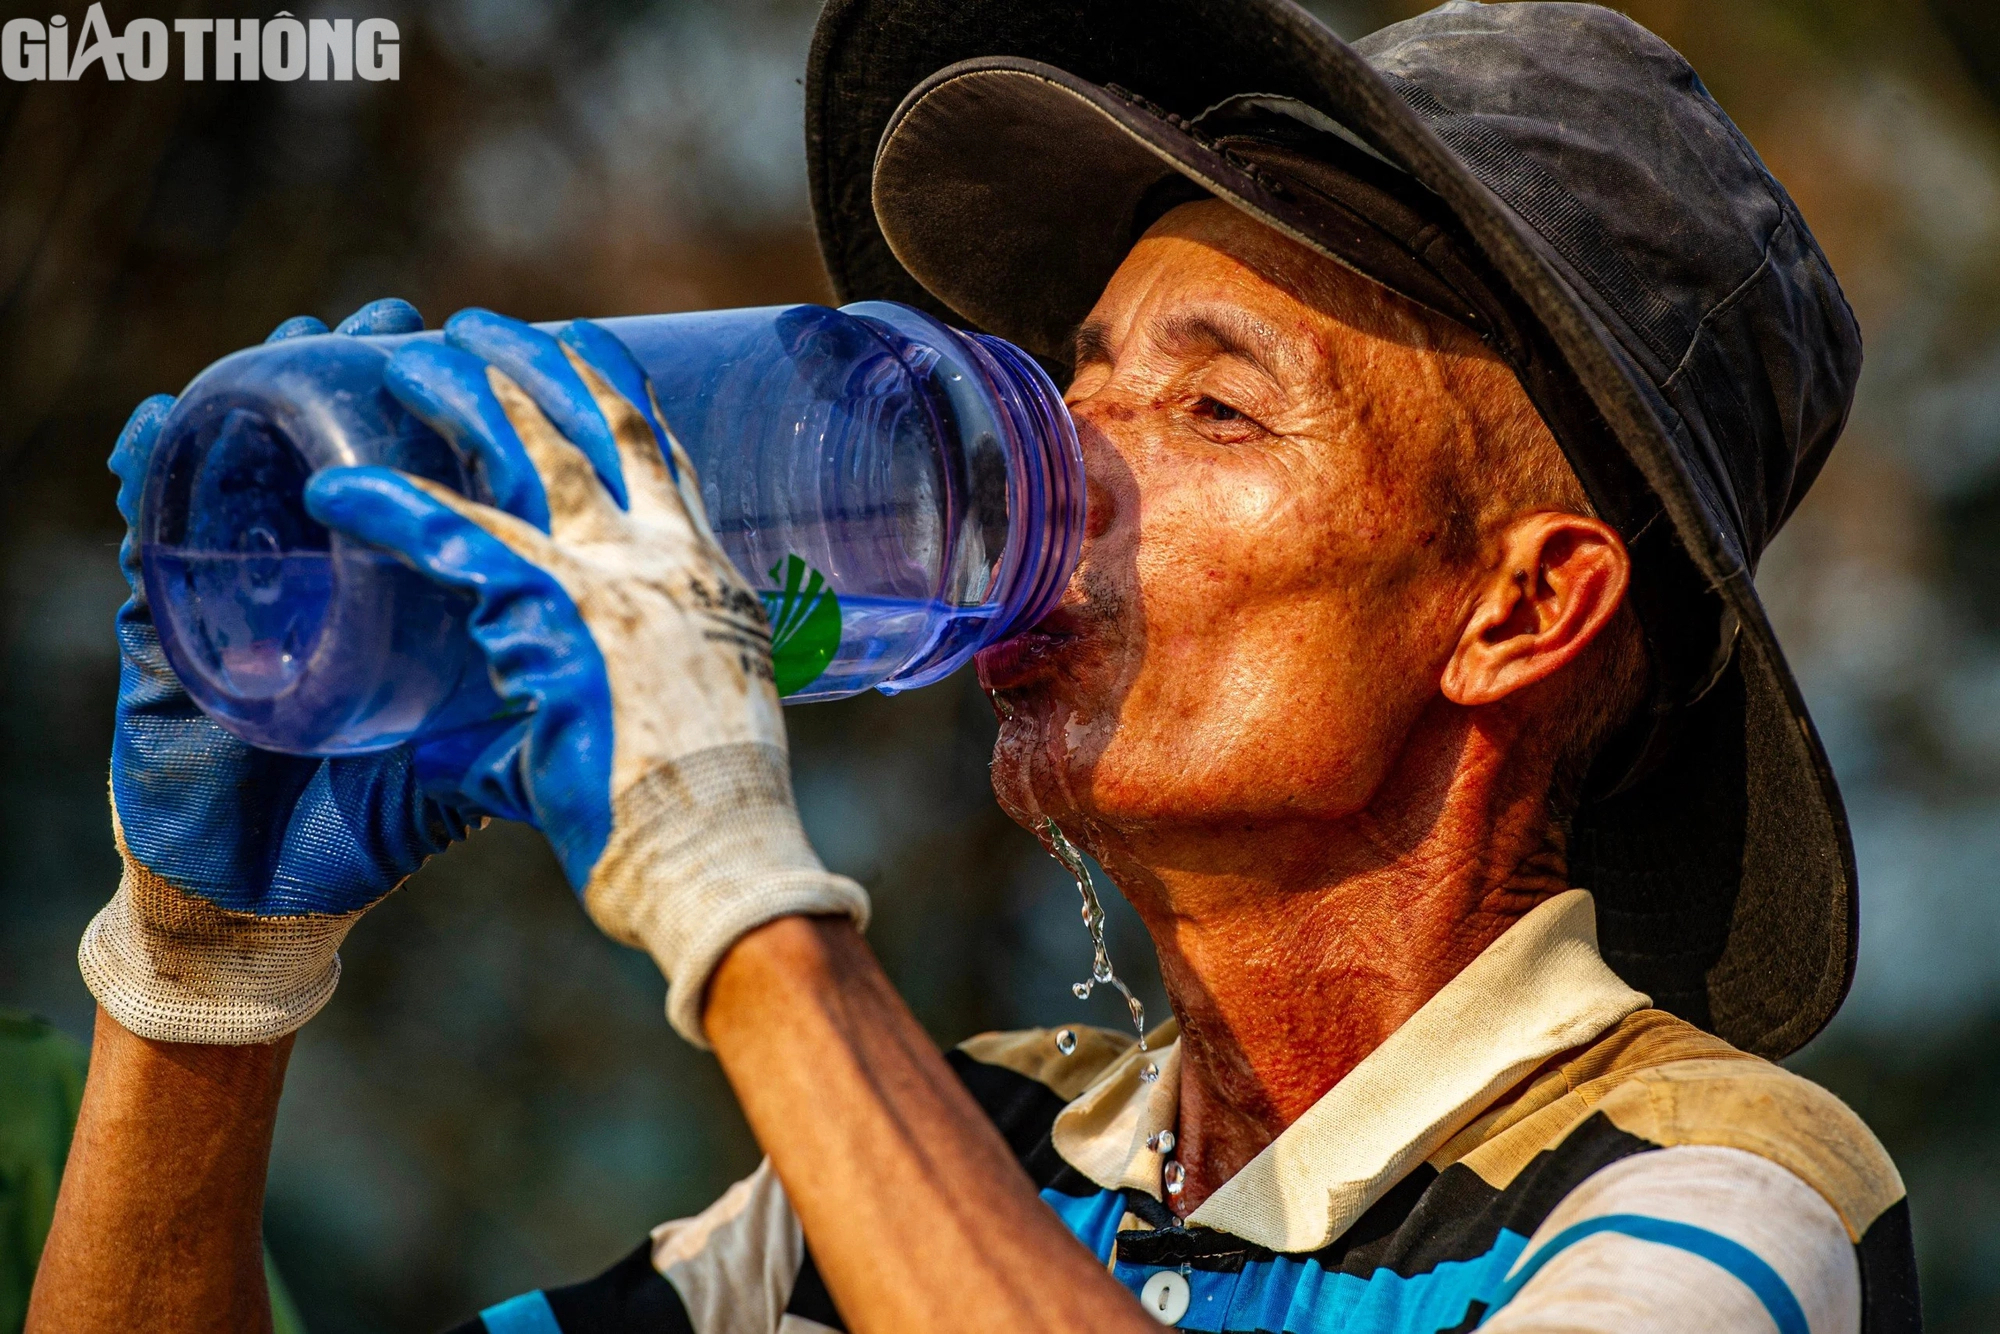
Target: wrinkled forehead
[[1208, 278]]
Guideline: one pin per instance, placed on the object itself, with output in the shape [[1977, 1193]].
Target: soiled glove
[[652, 750], [244, 870]]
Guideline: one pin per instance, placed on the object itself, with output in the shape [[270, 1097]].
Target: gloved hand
[[244, 870], [652, 752]]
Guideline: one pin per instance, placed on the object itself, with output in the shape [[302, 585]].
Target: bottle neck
[[996, 388], [1052, 482]]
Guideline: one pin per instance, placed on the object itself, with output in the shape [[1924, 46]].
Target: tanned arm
[[918, 1216], [159, 1225]]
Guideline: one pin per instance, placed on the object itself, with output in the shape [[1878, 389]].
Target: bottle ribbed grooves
[[1051, 461]]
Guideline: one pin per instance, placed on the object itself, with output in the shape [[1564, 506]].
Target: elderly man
[[1437, 396]]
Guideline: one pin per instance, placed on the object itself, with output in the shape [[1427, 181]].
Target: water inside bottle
[[245, 630], [257, 614], [876, 634]]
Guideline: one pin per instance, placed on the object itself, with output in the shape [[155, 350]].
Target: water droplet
[[1093, 920], [1161, 1141], [1149, 1073], [1066, 1040], [1138, 1018], [1175, 1177]]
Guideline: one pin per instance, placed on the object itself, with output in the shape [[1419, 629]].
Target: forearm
[[916, 1212], [159, 1224]]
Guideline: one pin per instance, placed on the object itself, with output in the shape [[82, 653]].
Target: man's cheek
[[1237, 537]]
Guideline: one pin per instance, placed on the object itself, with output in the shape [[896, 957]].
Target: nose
[[1098, 504], [1101, 461]]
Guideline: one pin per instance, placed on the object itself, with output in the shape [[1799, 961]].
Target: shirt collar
[[1540, 989]]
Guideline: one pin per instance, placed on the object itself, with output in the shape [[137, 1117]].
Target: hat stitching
[[1557, 216], [1736, 295], [1250, 169]]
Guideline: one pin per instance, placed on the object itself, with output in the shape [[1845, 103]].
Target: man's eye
[[1217, 411]]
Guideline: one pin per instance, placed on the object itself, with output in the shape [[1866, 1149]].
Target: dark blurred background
[[493, 1101]]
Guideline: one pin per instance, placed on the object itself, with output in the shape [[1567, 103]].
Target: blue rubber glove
[[651, 747], [244, 869]]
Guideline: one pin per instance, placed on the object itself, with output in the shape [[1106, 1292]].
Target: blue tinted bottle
[[901, 493]]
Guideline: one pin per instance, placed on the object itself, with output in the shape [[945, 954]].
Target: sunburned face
[[1275, 575]]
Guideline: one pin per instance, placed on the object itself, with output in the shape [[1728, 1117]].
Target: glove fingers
[[649, 476], [535, 361], [299, 326], [579, 506], [661, 478], [448, 538], [477, 769], [538, 648], [590, 344], [133, 454], [130, 458], [390, 315], [450, 392]]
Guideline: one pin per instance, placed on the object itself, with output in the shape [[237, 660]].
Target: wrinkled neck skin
[[1290, 951]]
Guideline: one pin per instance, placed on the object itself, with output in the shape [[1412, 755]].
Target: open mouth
[[1031, 654]]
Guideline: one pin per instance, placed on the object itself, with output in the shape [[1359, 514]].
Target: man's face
[[1274, 573]]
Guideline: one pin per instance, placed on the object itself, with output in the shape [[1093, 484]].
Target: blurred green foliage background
[[493, 1100]]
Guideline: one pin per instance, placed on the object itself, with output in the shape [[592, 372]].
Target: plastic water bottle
[[900, 493]]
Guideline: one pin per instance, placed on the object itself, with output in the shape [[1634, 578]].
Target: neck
[[1290, 956]]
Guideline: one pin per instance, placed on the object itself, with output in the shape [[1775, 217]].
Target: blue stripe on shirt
[[528, 1313], [1297, 1295], [1732, 1256], [1091, 1219]]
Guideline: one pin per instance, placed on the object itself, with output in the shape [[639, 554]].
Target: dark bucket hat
[[1552, 176]]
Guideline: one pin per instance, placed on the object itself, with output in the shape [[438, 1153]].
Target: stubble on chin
[[1021, 769], [1039, 766]]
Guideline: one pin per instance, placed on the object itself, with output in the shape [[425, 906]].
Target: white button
[[1165, 1297]]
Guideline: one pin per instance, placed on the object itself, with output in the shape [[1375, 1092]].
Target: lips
[[1030, 655]]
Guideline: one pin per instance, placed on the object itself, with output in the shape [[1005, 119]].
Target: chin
[[1031, 762]]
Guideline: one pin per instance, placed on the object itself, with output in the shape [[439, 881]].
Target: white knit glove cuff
[[703, 851], [171, 966]]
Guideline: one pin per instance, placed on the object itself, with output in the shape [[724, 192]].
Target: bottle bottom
[[256, 617], [316, 652]]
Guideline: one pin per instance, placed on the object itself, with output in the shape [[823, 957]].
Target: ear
[[1557, 582]]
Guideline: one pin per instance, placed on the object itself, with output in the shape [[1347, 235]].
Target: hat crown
[[1605, 142]]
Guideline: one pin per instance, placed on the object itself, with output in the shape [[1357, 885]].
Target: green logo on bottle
[[805, 624]]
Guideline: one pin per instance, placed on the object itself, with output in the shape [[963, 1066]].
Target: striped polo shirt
[[1535, 1149]]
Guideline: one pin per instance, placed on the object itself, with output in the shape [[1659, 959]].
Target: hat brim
[[1005, 194]]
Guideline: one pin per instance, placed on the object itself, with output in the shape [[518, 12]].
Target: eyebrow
[[1224, 332], [1090, 345]]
